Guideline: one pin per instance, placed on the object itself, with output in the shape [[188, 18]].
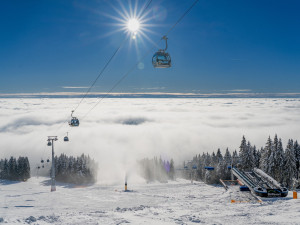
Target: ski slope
[[176, 202]]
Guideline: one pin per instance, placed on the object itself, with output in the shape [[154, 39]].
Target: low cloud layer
[[120, 131]]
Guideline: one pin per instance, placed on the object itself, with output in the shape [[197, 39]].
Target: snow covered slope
[[177, 202]]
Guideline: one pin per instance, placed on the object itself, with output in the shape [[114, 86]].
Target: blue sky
[[219, 46]]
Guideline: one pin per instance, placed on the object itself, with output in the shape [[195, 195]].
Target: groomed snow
[[176, 202]]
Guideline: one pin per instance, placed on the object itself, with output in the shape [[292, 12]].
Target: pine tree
[[246, 155], [172, 170], [272, 160], [26, 168], [279, 163], [265, 156], [1, 164], [20, 165], [290, 164], [208, 161], [4, 171], [251, 161], [297, 157], [77, 170], [255, 157], [235, 158], [243, 152], [79, 166], [227, 157], [219, 156], [214, 160], [12, 169], [258, 155], [222, 171], [201, 165]]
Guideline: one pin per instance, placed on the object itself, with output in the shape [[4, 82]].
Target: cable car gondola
[[66, 138], [74, 121], [162, 59]]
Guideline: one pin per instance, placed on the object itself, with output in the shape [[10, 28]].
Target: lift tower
[[51, 140]]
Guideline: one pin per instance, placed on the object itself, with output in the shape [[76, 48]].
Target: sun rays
[[133, 20]]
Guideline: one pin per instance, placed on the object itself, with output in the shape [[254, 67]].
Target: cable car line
[[74, 121], [162, 59], [66, 138], [103, 69], [119, 81], [108, 62], [132, 68], [71, 123], [149, 2], [183, 15]]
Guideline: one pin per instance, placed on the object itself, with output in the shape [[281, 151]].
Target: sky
[[220, 46]]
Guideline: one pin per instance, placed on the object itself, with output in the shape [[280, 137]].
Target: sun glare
[[133, 25], [133, 20]]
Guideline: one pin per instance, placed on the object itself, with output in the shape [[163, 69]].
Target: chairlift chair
[[49, 143], [162, 59]]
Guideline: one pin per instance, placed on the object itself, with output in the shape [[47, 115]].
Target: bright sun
[[132, 20], [133, 25]]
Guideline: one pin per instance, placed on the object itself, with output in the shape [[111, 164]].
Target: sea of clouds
[[118, 132]]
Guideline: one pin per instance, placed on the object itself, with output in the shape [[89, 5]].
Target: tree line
[[77, 170], [281, 164], [15, 169], [157, 169]]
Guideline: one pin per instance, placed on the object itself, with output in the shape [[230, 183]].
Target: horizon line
[[151, 94]]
